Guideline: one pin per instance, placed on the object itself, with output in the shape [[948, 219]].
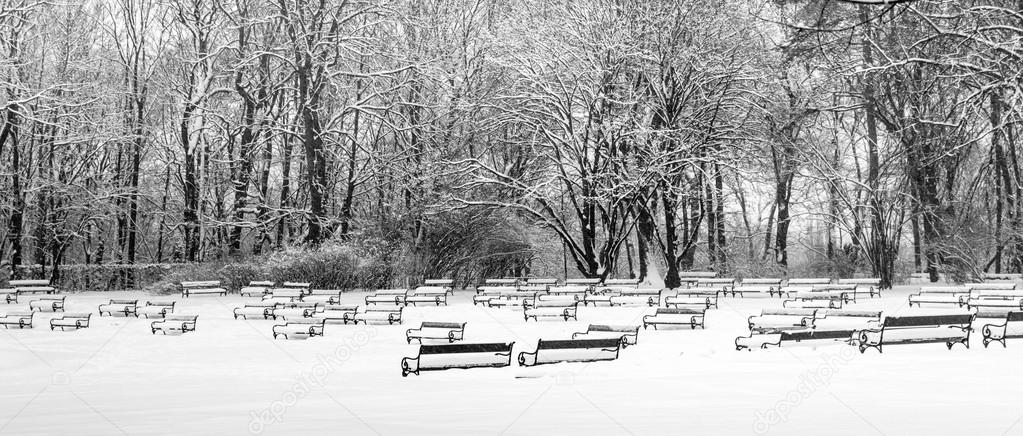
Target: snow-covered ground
[[230, 377]]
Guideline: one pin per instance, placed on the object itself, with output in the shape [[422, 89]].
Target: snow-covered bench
[[693, 317], [9, 295], [807, 281], [285, 294], [747, 289], [302, 328], [70, 320], [538, 308], [175, 323], [304, 286], [707, 297], [33, 287], [294, 309], [151, 309], [333, 313], [1010, 328], [124, 307], [817, 299], [622, 282], [256, 288], [436, 295], [208, 287], [541, 281], [326, 296], [847, 290], [448, 284], [628, 334], [1002, 277], [485, 293], [991, 286], [571, 350], [388, 296], [772, 320], [500, 282], [590, 283], [650, 297], [758, 283], [447, 331], [995, 299], [17, 319], [464, 356], [778, 338], [579, 292], [942, 295], [912, 329], [725, 284], [601, 295], [47, 304], [873, 285], [516, 299], [263, 309], [690, 277], [390, 315]]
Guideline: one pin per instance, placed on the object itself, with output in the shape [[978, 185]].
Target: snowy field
[[230, 377]]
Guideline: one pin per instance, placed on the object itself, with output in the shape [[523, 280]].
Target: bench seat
[[462, 356], [20, 320], [47, 304], [446, 331], [118, 306], [302, 328], [70, 321], [571, 350], [940, 295], [175, 323], [628, 334], [37, 290], [709, 293], [692, 317]]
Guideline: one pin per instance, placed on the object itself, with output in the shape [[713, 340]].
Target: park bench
[[534, 289], [33, 287], [1002, 277], [326, 296], [463, 356], [807, 281], [627, 334], [154, 309], [1010, 328], [778, 338], [590, 283], [302, 328], [263, 309], [70, 320], [761, 281], [9, 295], [285, 294], [943, 295], [333, 313], [209, 287], [392, 315], [444, 283], [650, 297], [772, 320], [747, 289], [388, 296], [576, 291], [256, 288], [707, 297], [116, 305], [983, 297], [873, 285], [303, 286], [693, 317], [634, 282], [724, 284], [541, 281], [447, 331], [294, 309], [538, 308], [485, 293], [847, 291], [435, 295], [516, 299], [571, 350], [817, 299], [602, 295], [913, 329], [17, 319], [992, 286], [501, 282], [175, 323], [788, 291], [690, 277], [47, 303]]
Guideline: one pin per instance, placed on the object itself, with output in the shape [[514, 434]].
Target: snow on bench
[[117, 305], [693, 317], [942, 295], [571, 350], [447, 331], [1002, 277], [823, 299], [326, 296], [873, 285], [333, 313], [913, 329], [622, 282], [302, 328], [294, 309], [627, 334], [725, 284], [772, 320], [650, 297], [1010, 328], [748, 289], [388, 296], [807, 281], [777, 339], [462, 356], [848, 290], [557, 308], [441, 283], [9, 295], [264, 309], [683, 297], [70, 320], [991, 286], [761, 281], [541, 281], [516, 298], [689, 277], [208, 287], [391, 315], [304, 286], [485, 293], [436, 295], [844, 319], [33, 287], [175, 323], [500, 282], [47, 304], [590, 283], [154, 308], [602, 294], [986, 296], [285, 294], [256, 288], [17, 319], [576, 291]]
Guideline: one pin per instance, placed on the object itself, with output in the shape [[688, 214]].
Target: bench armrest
[[409, 365], [525, 357]]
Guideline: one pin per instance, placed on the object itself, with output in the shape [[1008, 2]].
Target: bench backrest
[[286, 292], [761, 281], [185, 318], [815, 334], [927, 320], [996, 293], [680, 311], [1014, 316], [391, 291], [584, 281], [621, 282], [642, 291], [846, 313], [613, 328], [28, 283], [496, 289], [944, 289], [77, 315], [690, 275], [541, 281], [533, 288], [860, 281], [490, 348], [201, 284], [441, 325], [553, 303], [322, 292], [834, 287], [430, 290], [715, 281], [439, 282], [500, 282], [808, 281], [261, 284], [788, 312], [387, 309], [1002, 286], [122, 301], [567, 290], [305, 321], [564, 344], [993, 276], [341, 307], [18, 314], [161, 303]]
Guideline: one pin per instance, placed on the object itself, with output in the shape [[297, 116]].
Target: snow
[[231, 377]]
